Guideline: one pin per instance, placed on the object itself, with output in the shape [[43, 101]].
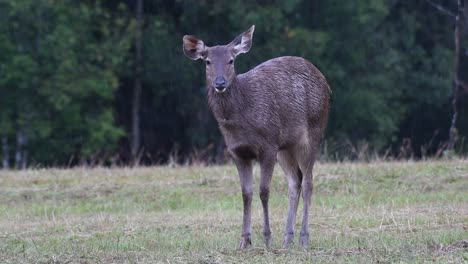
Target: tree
[[460, 17], [135, 144], [84, 81], [60, 79]]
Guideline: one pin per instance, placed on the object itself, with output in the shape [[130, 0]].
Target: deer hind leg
[[306, 164], [288, 163]]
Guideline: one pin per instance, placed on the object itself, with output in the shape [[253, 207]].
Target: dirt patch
[[462, 244]]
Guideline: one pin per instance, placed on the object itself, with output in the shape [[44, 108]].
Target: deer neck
[[230, 104]]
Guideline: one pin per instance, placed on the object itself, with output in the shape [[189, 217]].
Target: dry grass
[[362, 212]]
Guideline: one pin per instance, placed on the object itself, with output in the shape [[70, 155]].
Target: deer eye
[[231, 61], [208, 62]]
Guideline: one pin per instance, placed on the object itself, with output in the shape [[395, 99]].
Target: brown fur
[[276, 111]]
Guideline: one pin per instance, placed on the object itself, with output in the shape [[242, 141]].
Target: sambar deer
[[276, 111]]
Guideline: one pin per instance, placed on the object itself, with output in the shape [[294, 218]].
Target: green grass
[[383, 212]]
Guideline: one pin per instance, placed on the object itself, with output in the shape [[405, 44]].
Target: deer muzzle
[[220, 84]]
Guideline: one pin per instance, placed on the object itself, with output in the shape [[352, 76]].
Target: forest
[[106, 82]]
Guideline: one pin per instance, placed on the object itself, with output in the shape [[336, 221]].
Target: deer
[[276, 112]]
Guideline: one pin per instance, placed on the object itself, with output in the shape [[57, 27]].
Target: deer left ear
[[243, 42], [193, 47]]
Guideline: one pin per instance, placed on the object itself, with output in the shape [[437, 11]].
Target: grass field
[[380, 212]]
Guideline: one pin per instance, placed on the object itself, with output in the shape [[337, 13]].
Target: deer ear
[[193, 47], [243, 42]]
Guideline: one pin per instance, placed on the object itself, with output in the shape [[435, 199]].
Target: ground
[[381, 212]]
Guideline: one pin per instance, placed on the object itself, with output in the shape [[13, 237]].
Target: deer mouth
[[220, 89]]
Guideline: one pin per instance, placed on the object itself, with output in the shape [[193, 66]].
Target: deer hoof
[[267, 238], [245, 243], [304, 240], [288, 239]]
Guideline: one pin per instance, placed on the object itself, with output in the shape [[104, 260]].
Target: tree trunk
[[6, 153], [465, 14], [135, 136], [20, 157], [24, 162], [459, 19]]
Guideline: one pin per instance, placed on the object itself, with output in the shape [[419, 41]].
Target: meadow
[[378, 212]]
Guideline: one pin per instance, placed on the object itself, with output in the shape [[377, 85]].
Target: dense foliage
[[67, 75]]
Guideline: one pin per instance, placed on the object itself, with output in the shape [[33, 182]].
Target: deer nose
[[220, 83]]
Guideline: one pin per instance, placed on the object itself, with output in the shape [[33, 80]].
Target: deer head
[[219, 60]]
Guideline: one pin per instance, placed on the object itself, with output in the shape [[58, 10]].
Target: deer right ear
[[193, 47]]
